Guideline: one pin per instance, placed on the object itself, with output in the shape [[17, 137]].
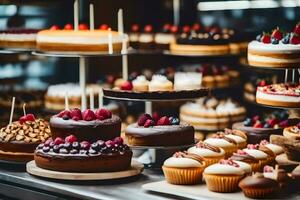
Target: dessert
[[243, 156], [160, 83], [296, 175], [70, 155], [229, 145], [244, 166], [238, 136], [187, 80], [165, 37], [210, 153], [208, 113], [134, 36], [140, 84], [258, 186], [146, 38], [252, 150], [19, 139], [18, 38], [278, 175], [184, 168], [276, 50], [292, 132], [251, 86], [161, 131], [281, 94], [86, 125], [79, 41], [271, 149], [223, 176]]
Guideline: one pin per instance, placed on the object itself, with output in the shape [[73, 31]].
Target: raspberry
[[106, 114], [186, 29], [135, 28], [148, 28], [76, 112], [58, 141], [22, 119], [277, 34], [54, 27], [88, 115], [30, 117], [70, 139], [155, 117], [272, 122], [83, 27], [85, 145], [143, 118], [119, 140], [266, 38], [64, 113], [127, 85], [268, 168], [149, 123], [68, 27], [163, 121]]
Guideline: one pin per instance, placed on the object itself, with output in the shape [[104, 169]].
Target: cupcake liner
[[262, 164], [255, 193], [222, 183], [183, 176], [212, 160], [242, 145], [229, 151], [255, 166]]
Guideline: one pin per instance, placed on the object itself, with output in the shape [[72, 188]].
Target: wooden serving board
[[135, 169], [197, 192]]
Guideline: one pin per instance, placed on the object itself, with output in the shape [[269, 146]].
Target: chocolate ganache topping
[[204, 145], [241, 155], [188, 155]]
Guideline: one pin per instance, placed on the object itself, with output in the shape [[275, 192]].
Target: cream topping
[[140, 80], [220, 142], [275, 148], [260, 155], [245, 166], [181, 162], [187, 80], [236, 138], [278, 48], [146, 37], [223, 169], [277, 97], [164, 38], [205, 152]]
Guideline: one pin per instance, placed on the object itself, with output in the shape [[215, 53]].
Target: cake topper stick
[[293, 79], [125, 67], [24, 109], [176, 12], [92, 18], [120, 22], [100, 98], [12, 110], [299, 75], [286, 75], [66, 101], [92, 104], [110, 45], [76, 15], [82, 76], [148, 108]]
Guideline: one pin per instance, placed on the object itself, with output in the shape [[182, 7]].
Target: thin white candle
[[100, 98], [92, 104], [124, 45], [120, 22], [125, 67], [24, 109], [92, 18], [66, 101], [82, 80], [76, 14], [12, 110], [110, 45]]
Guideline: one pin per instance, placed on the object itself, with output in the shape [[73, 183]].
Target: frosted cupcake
[[223, 176], [239, 136], [211, 154], [252, 150], [278, 175], [184, 168], [160, 83], [227, 144], [245, 166], [272, 150], [243, 156], [140, 84]]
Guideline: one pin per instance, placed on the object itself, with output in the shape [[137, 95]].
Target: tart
[[184, 168], [70, 155], [146, 38], [87, 125], [165, 37], [160, 83], [165, 131]]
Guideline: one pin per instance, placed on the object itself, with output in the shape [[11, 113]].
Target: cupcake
[[210, 153], [278, 175], [140, 84], [243, 156], [223, 176], [244, 166], [184, 168], [257, 186], [229, 145], [239, 136], [271, 149], [160, 83], [252, 150]]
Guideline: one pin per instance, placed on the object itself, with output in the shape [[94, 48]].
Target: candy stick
[[120, 22], [110, 45], [66, 101], [293, 80], [24, 109], [92, 18], [82, 80], [76, 14], [286, 75], [92, 104], [12, 110], [100, 98]]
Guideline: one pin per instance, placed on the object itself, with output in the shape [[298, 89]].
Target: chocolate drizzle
[[189, 155], [221, 135], [204, 145], [244, 157], [241, 134]]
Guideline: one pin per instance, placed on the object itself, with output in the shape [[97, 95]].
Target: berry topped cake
[[159, 131], [277, 49], [18, 38], [86, 125], [281, 94]]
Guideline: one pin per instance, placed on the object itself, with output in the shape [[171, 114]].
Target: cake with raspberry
[[209, 113], [166, 36], [146, 38], [251, 86], [18, 38], [159, 131], [71, 155], [281, 94], [19, 139], [276, 50], [86, 125]]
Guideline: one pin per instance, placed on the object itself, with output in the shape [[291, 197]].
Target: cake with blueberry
[[278, 49], [18, 38], [72, 155], [19, 139], [281, 94], [159, 131], [86, 125], [209, 113]]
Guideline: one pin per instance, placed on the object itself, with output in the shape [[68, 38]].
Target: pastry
[[71, 155], [281, 94], [257, 186], [146, 38], [223, 176], [187, 80], [252, 150], [210, 153], [18, 38], [278, 175], [164, 131], [160, 83], [292, 132], [87, 125], [243, 156], [271, 149], [210, 114], [184, 168], [276, 50], [220, 140], [140, 84]]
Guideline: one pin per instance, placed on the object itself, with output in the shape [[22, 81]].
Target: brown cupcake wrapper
[[182, 176], [255, 193], [222, 183], [255, 166]]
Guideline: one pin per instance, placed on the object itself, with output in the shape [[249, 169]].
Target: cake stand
[[229, 55]]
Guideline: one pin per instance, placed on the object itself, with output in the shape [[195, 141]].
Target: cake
[[146, 38], [165, 131], [165, 37], [160, 83], [281, 94], [252, 150], [211, 114], [187, 80], [134, 36], [18, 38], [276, 50], [79, 41], [276, 174], [251, 86], [86, 125], [71, 155], [19, 139], [140, 84]]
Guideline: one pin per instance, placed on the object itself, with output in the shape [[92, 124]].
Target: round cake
[[69, 155], [165, 131], [87, 125], [212, 114], [18, 38], [281, 94]]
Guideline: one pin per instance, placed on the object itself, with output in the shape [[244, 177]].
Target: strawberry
[[143, 118], [68, 27], [64, 113], [54, 27], [148, 123], [135, 28], [297, 28], [163, 121], [83, 27], [88, 115], [186, 29], [76, 113], [70, 139], [102, 114], [30, 117], [174, 29], [155, 117], [196, 27], [148, 28], [104, 27], [258, 124], [277, 34], [167, 27], [58, 141], [295, 39], [22, 119], [272, 122], [266, 38], [127, 85]]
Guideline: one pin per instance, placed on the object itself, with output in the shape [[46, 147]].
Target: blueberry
[[174, 120], [95, 146], [51, 145], [63, 151], [162, 71], [74, 151], [286, 39], [46, 149], [258, 38], [67, 146], [267, 125], [56, 149], [76, 145], [66, 117], [274, 41], [248, 122]]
